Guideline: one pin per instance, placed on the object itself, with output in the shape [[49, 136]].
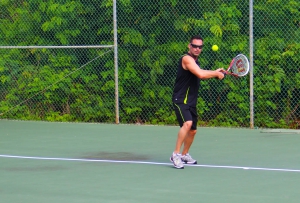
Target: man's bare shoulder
[[187, 57], [188, 61]]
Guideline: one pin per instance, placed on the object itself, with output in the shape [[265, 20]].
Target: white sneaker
[[188, 159], [176, 159]]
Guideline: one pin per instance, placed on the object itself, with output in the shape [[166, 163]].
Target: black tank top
[[186, 86]]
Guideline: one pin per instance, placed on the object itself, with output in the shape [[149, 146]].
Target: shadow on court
[[122, 156]]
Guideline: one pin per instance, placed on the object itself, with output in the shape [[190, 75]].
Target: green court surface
[[78, 162]]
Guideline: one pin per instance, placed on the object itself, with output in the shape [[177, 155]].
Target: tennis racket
[[239, 66]]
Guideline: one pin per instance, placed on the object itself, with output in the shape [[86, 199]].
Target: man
[[184, 99]]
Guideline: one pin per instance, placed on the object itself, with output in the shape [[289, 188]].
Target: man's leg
[[186, 157], [185, 121], [182, 135], [188, 141], [176, 156]]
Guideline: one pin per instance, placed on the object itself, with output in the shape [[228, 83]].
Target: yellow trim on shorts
[[180, 112], [186, 96]]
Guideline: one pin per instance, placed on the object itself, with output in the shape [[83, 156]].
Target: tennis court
[[81, 162]]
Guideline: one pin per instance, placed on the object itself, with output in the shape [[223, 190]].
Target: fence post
[[116, 61], [251, 63]]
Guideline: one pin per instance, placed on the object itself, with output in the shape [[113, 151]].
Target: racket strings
[[240, 66], [46, 88]]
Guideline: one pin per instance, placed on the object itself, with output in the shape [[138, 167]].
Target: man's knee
[[188, 125], [193, 132]]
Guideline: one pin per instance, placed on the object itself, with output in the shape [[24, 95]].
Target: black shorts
[[186, 113]]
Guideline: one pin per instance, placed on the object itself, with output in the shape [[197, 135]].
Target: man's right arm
[[188, 63]]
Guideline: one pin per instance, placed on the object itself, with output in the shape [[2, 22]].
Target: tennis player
[[184, 99]]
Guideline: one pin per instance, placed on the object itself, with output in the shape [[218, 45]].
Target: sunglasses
[[197, 46]]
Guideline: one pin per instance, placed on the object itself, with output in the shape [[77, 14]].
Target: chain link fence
[[71, 75]]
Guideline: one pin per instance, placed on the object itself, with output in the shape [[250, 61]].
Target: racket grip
[[224, 72]]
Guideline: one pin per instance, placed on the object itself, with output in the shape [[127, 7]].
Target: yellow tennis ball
[[215, 48]]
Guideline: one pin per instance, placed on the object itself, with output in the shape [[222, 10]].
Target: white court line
[[145, 162]]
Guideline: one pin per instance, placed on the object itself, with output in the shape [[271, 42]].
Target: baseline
[[145, 162]]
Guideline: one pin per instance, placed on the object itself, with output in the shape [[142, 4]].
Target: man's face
[[195, 47]]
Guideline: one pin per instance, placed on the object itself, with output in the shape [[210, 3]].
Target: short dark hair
[[196, 37]]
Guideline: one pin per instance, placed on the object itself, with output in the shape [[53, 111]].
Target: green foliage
[[152, 35]]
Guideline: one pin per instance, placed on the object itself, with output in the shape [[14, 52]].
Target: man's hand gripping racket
[[238, 67]]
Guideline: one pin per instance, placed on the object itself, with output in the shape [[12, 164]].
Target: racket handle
[[224, 72], [229, 73]]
